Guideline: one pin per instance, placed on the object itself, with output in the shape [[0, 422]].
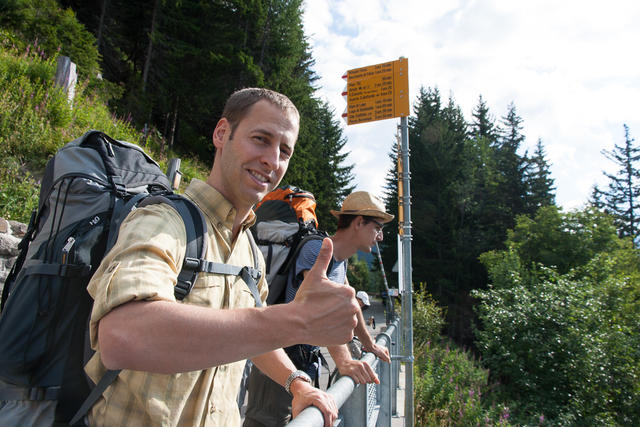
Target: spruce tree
[[389, 245], [441, 259], [512, 166], [540, 188], [483, 124], [622, 199]]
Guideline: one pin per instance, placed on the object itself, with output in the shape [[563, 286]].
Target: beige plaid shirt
[[143, 265]]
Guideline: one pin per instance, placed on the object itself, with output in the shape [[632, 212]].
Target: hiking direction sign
[[377, 92]]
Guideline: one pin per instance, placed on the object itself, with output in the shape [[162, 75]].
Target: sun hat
[[362, 296], [363, 203]]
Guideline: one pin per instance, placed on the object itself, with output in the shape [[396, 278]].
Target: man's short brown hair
[[240, 102]]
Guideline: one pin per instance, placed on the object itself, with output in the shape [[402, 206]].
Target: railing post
[[354, 410], [385, 393], [395, 372]]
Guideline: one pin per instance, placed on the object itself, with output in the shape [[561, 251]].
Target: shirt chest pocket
[[208, 291], [241, 296]]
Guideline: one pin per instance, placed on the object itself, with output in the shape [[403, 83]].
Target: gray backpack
[[89, 187]]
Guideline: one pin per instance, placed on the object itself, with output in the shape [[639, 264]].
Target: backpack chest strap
[[249, 275]]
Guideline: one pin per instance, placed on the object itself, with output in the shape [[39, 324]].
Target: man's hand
[[327, 309], [304, 395], [360, 372], [381, 352]]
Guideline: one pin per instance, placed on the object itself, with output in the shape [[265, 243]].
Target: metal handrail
[[351, 398]]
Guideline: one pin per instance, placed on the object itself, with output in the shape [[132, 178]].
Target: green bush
[[18, 191], [449, 387], [50, 30], [449, 384], [358, 273], [428, 318], [564, 345]]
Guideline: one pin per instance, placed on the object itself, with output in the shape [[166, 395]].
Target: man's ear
[[223, 127]]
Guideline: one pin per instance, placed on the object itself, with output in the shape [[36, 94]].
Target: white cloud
[[570, 67]]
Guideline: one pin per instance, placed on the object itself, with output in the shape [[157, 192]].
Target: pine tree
[[483, 125], [440, 196], [318, 164], [512, 166], [622, 199], [389, 245], [540, 188]]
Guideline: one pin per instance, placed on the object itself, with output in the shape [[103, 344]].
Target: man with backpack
[[360, 223], [182, 361]]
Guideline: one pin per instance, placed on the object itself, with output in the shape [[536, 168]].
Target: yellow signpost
[[378, 92]]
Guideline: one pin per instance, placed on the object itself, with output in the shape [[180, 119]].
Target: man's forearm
[[275, 364], [361, 331], [166, 337], [340, 354]]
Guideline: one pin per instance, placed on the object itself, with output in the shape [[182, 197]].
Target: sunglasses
[[379, 226]]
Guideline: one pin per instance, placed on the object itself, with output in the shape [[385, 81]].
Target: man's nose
[[271, 157]]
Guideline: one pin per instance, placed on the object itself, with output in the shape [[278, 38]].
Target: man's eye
[[285, 155]]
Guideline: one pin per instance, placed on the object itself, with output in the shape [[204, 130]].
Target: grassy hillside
[[36, 120]]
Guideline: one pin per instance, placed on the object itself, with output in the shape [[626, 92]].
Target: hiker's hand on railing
[[381, 352], [305, 395], [360, 372], [327, 309]]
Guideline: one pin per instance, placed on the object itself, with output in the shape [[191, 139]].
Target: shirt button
[[212, 408]]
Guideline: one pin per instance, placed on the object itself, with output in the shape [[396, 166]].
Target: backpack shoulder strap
[[196, 230], [296, 252], [97, 391], [23, 246], [253, 277]]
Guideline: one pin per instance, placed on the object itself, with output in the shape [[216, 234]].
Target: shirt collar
[[214, 205]]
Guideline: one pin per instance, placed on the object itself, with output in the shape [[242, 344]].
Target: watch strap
[[295, 375]]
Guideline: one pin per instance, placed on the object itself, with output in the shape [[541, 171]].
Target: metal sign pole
[[390, 311], [407, 302]]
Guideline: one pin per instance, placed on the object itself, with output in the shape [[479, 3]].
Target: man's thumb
[[323, 259]]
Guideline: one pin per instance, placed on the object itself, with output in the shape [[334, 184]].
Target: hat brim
[[384, 217]]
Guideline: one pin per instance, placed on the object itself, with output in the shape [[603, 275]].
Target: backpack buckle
[[253, 272], [182, 289], [191, 263]]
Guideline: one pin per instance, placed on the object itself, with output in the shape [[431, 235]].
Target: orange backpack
[[285, 202], [285, 220]]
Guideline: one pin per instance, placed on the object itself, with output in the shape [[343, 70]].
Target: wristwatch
[[294, 375]]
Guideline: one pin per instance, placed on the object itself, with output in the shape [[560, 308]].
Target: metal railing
[[363, 405]]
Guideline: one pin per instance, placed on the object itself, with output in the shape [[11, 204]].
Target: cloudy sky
[[572, 69]]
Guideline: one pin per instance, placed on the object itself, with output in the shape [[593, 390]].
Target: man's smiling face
[[251, 160]]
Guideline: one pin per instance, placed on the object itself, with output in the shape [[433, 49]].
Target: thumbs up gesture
[[328, 309]]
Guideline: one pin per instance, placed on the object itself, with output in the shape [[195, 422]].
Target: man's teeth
[[259, 177]]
